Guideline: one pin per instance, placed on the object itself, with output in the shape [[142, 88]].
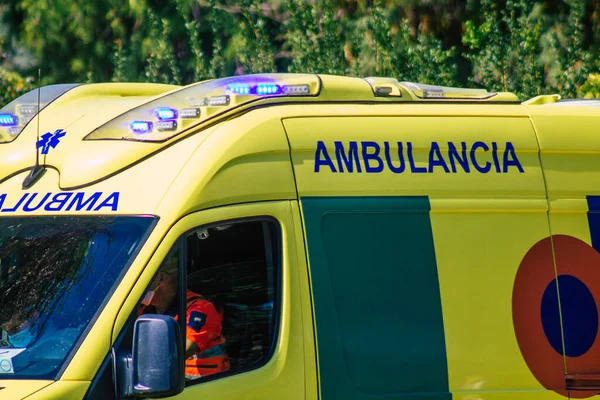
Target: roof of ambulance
[[94, 148]]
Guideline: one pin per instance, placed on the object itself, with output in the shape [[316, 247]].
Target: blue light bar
[[141, 127], [267, 89], [8, 120], [165, 113], [240, 89]]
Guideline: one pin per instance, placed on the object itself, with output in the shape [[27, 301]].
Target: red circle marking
[[535, 273], [576, 258]]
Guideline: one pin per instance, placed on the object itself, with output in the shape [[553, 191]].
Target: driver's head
[[171, 265], [164, 285]]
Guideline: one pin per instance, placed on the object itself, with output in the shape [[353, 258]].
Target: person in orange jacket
[[205, 350]]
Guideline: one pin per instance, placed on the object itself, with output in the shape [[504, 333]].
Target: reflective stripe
[[195, 367], [202, 366]]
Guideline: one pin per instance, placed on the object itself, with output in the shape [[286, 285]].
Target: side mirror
[[155, 369]]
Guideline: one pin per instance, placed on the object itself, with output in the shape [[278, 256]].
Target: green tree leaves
[[13, 85], [525, 46]]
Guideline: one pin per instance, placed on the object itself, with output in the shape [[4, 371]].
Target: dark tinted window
[[235, 266]]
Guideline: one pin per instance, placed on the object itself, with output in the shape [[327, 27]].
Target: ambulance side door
[[245, 260], [418, 221]]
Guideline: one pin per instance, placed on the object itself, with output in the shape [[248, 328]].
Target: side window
[[231, 291]]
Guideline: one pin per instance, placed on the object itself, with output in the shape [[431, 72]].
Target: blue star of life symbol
[[50, 140]]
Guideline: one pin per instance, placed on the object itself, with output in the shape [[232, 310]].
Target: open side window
[[235, 267]]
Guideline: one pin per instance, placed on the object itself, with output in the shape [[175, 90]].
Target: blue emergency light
[[165, 113], [9, 120], [240, 89], [267, 89], [141, 127]]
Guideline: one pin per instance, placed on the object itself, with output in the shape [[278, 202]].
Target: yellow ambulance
[[356, 239]]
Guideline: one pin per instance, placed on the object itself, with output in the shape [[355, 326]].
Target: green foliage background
[[528, 47]]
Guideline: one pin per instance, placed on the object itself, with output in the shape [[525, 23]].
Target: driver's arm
[[203, 326], [190, 348]]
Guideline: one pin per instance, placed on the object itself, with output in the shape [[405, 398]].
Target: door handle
[[583, 382]]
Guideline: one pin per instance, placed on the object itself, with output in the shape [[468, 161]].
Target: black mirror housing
[[157, 359]]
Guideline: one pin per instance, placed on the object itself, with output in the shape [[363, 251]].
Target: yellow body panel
[[572, 178], [304, 133], [483, 354], [63, 389], [473, 219], [497, 180]]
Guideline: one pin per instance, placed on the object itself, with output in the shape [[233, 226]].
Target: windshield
[[55, 275]]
